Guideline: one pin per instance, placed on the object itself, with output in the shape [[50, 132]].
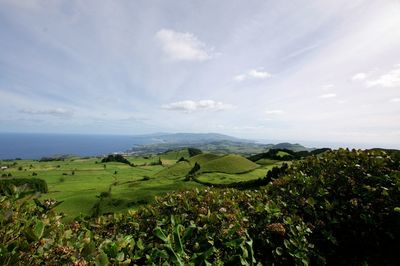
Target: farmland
[[84, 183]]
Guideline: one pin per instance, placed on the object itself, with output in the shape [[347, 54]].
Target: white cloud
[[274, 112], [394, 100], [57, 112], [253, 74], [328, 95], [359, 76], [190, 106], [183, 46], [389, 80], [328, 87]]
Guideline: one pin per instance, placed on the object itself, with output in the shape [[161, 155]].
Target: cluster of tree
[[192, 173], [182, 159], [194, 152], [116, 158], [54, 158], [158, 162], [273, 154]]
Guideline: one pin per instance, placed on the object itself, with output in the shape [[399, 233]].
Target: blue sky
[[324, 71]]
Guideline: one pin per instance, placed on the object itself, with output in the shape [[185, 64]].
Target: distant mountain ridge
[[186, 138], [209, 142]]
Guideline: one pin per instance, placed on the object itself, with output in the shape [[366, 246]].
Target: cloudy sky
[[323, 71]]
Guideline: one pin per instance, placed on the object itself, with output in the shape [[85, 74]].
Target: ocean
[[36, 146]]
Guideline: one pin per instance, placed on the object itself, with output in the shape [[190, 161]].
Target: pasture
[[84, 183]]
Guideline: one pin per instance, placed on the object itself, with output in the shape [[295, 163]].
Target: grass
[[175, 155], [178, 170], [225, 178], [282, 153], [78, 182], [79, 191], [266, 161], [229, 164], [203, 158]]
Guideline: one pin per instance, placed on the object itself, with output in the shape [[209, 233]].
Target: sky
[[322, 71]]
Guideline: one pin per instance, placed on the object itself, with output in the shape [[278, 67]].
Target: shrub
[[194, 151], [116, 158]]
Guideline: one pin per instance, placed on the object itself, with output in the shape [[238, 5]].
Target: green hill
[[203, 158], [282, 154], [230, 164], [177, 170], [175, 154]]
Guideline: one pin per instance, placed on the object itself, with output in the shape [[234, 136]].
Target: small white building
[[4, 167]]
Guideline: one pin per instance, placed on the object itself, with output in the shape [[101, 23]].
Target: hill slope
[[230, 164], [177, 170], [203, 158]]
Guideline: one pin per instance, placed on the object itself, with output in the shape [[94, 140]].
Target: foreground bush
[[341, 208]]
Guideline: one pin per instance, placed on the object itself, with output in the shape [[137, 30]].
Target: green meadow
[[86, 185]]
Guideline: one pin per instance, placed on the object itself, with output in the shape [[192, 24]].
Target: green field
[[79, 182]]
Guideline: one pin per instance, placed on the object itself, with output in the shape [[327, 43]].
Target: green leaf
[[178, 238], [120, 256], [278, 251], [139, 244], [160, 234], [39, 230], [188, 232], [102, 259], [68, 234], [311, 201]]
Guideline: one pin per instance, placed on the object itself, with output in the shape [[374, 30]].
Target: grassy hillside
[[230, 164], [84, 183], [282, 154], [203, 158], [266, 161], [175, 154], [226, 178], [78, 182], [177, 170]]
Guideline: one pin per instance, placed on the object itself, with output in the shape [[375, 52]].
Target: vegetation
[[79, 181], [285, 154], [54, 158], [216, 146], [194, 152], [116, 158], [341, 208], [8, 185], [231, 164]]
